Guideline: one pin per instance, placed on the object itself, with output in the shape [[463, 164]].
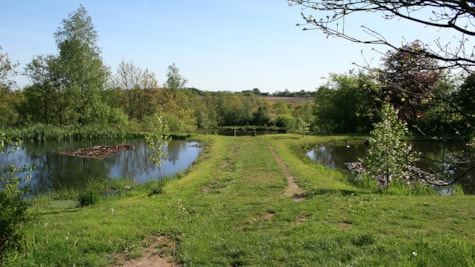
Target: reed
[[43, 132]]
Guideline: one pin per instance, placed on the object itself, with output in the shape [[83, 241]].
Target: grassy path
[[233, 208]]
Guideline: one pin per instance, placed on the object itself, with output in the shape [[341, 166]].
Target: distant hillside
[[289, 99]]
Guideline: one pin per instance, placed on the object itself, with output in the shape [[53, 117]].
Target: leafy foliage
[[466, 101], [7, 70], [388, 155], [88, 197], [8, 100], [14, 205], [408, 81], [174, 79], [345, 105], [137, 85], [68, 85], [157, 139]]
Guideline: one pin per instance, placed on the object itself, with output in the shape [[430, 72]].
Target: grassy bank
[[231, 209]]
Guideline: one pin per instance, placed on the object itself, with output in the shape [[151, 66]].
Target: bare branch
[[454, 15]]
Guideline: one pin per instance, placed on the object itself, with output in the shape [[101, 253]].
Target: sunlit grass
[[229, 209]]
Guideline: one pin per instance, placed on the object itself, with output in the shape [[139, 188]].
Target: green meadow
[[233, 207]]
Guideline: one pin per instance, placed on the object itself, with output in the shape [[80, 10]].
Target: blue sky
[[218, 45]]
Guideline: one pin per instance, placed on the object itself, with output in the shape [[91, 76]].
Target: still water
[[453, 159], [55, 171]]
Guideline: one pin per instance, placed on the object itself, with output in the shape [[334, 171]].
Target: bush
[[14, 204], [286, 122], [88, 197]]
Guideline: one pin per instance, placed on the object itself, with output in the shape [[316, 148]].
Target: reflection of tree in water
[[451, 161], [335, 156], [55, 171], [174, 150], [135, 164], [59, 171], [132, 164]]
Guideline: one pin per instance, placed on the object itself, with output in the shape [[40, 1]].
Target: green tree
[[388, 156], [344, 105], [206, 112], [8, 99], [261, 116], [7, 71], [68, 86], [157, 139], [304, 117], [44, 100], [466, 101], [174, 79], [408, 81], [136, 82], [82, 73], [443, 115]]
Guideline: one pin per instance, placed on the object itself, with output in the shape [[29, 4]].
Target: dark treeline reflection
[[55, 171]]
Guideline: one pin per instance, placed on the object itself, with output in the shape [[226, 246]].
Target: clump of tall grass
[[43, 132], [88, 197], [396, 187]]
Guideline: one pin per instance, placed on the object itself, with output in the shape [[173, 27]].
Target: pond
[[55, 170], [435, 157]]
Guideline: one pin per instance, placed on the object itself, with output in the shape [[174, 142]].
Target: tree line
[[430, 99], [75, 87]]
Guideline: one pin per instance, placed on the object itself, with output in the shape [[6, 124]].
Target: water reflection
[[55, 171], [454, 160]]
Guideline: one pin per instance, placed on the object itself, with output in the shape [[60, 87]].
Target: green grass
[[229, 210]]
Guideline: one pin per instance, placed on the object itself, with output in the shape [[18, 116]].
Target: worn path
[[249, 174]]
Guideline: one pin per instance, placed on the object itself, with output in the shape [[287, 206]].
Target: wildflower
[[414, 253]]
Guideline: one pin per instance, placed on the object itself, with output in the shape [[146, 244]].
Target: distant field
[[296, 99]]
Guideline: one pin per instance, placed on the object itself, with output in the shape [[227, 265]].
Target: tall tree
[[408, 81], [466, 101], [45, 102], [344, 104], [174, 78], [8, 98], [457, 17], [7, 71], [136, 82], [82, 73]]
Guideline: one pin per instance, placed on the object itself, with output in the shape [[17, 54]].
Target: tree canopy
[[68, 85], [7, 71]]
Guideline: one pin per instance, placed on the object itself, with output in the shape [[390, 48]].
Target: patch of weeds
[[458, 190], [88, 197], [398, 187], [362, 240], [365, 182], [156, 187]]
